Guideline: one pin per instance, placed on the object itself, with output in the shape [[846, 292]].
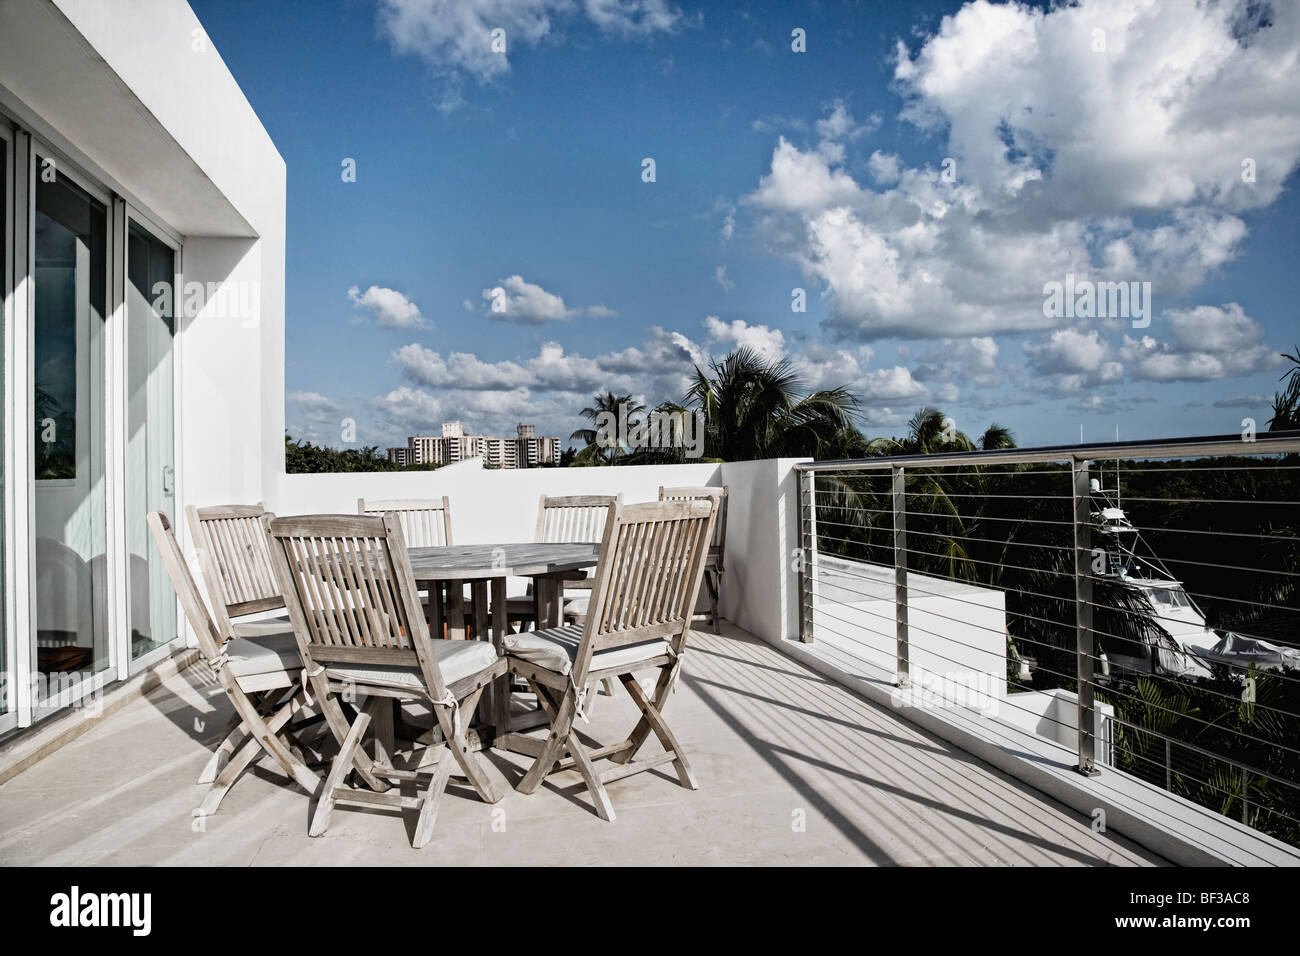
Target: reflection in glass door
[[69, 442], [150, 461]]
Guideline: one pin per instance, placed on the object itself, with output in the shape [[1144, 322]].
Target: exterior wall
[[230, 381], [135, 97], [760, 590], [956, 636], [486, 506]]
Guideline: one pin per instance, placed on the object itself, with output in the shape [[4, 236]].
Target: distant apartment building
[[525, 450]]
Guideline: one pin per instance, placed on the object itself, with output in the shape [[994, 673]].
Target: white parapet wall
[[759, 588], [1054, 714], [956, 632]]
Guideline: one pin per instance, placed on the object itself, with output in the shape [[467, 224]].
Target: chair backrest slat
[[234, 560], [718, 543], [574, 519], [350, 591], [426, 522], [651, 563]]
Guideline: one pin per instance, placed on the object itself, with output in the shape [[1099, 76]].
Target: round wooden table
[[444, 572]]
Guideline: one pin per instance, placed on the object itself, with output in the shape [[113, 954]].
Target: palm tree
[[1286, 404], [754, 407], [601, 449], [996, 437]]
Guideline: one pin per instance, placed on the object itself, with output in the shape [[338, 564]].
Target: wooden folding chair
[[262, 679], [426, 522], [714, 566], [568, 519], [241, 586], [351, 596], [651, 561]]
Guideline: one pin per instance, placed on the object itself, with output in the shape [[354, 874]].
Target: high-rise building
[[524, 450]]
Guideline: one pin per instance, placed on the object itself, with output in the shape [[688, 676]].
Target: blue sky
[[921, 171]]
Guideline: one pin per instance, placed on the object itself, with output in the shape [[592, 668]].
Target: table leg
[[548, 592], [501, 687], [456, 610], [478, 592], [437, 611]]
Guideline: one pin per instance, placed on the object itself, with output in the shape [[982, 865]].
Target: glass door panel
[[150, 463], [6, 228], [68, 384]]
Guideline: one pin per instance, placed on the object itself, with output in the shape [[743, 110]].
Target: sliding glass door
[[150, 435], [8, 693], [69, 402], [88, 440]]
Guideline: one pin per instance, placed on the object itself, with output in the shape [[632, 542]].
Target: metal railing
[[1155, 583]]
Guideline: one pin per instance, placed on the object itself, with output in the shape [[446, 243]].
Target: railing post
[[1083, 649], [808, 549], [904, 672]]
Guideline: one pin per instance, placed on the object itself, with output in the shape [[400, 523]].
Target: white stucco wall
[[759, 590], [139, 94]]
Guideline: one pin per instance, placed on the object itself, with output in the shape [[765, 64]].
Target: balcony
[[872, 699], [793, 768]]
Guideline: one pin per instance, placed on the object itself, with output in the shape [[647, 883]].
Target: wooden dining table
[[445, 571]]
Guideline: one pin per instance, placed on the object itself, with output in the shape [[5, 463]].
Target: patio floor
[[773, 745]]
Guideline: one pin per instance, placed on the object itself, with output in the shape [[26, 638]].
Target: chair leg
[[656, 722], [343, 765], [554, 748], [599, 796], [429, 805], [667, 676], [234, 735], [221, 785], [268, 730], [338, 723], [713, 580], [470, 763]]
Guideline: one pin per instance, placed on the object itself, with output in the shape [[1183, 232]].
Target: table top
[[465, 562]]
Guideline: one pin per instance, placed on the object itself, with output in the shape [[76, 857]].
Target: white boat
[[1192, 646]]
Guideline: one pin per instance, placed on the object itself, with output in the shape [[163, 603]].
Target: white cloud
[[454, 37], [802, 182], [767, 342], [720, 277], [459, 370], [894, 384], [514, 299], [1124, 165], [886, 168], [388, 307], [1209, 342]]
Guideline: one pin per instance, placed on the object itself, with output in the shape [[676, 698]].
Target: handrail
[[1264, 443]]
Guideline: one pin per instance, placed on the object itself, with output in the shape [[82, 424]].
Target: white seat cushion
[[456, 660], [556, 648], [264, 654], [264, 627], [577, 607]]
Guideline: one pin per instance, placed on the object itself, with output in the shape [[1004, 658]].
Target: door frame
[[167, 237], [9, 559]]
